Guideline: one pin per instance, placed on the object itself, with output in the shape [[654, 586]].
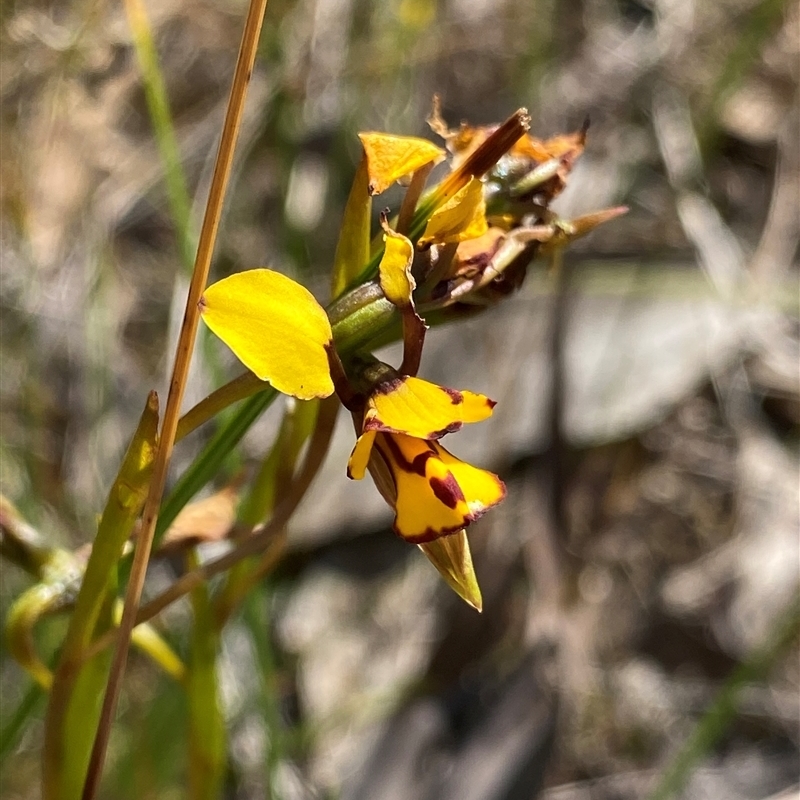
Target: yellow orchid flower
[[435, 493]]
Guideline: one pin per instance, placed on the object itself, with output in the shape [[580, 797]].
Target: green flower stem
[[255, 544], [358, 329]]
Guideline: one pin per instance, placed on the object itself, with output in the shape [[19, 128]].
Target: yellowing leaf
[[462, 217], [275, 327], [389, 158], [395, 269]]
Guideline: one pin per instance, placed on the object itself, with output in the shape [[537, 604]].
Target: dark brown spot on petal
[[419, 462], [491, 403], [396, 456], [456, 398], [451, 428], [373, 424], [388, 386], [447, 491], [428, 535]]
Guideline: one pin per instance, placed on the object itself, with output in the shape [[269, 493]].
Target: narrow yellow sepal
[[395, 269], [390, 158], [275, 327], [462, 217]]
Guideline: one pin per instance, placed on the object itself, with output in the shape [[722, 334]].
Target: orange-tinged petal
[[422, 409], [389, 158], [462, 217], [567, 144], [395, 269], [359, 458], [275, 327], [437, 494]]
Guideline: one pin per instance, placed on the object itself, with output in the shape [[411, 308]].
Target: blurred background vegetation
[[649, 397]]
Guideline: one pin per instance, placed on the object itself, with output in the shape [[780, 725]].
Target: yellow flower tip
[[436, 493], [452, 558], [275, 327], [390, 158]]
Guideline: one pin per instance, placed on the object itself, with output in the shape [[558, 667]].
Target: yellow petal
[[389, 158], [437, 494], [275, 327], [452, 558], [395, 269], [422, 409], [359, 458], [462, 217]]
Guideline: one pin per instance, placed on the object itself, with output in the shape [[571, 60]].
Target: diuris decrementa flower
[[280, 333], [432, 492]]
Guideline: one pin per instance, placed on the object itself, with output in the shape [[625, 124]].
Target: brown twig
[[205, 249]]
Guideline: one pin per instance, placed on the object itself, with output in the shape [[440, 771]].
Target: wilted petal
[[462, 217], [390, 158]]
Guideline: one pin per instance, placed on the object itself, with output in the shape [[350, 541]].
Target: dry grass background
[[649, 402]]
